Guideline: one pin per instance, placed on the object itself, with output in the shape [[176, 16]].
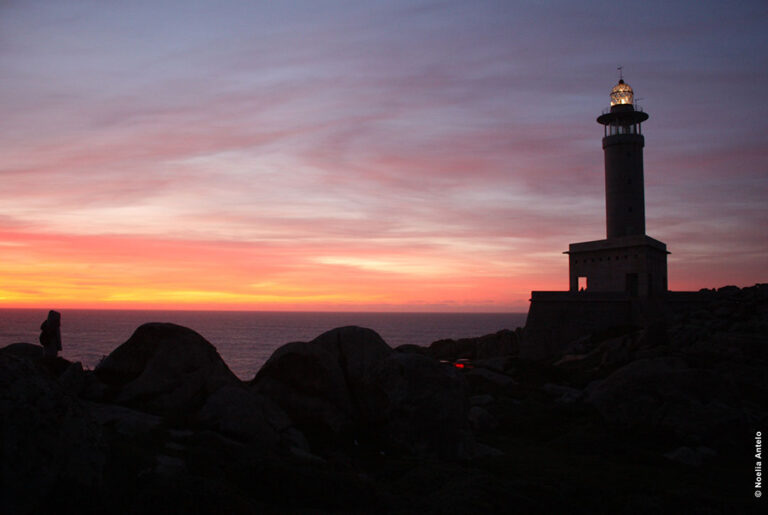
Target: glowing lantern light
[[622, 94]]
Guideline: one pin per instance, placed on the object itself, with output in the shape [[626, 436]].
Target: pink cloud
[[342, 149]]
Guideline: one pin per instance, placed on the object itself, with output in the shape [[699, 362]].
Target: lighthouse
[[627, 260], [618, 282], [623, 144]]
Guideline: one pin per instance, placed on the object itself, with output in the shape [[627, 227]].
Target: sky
[[365, 155]]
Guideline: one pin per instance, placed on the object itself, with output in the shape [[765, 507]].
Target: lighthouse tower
[[618, 282], [628, 260], [623, 144]]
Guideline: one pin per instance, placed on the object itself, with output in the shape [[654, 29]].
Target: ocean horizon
[[244, 339]]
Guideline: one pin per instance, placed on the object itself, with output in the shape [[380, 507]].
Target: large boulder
[[248, 416], [665, 396], [323, 385], [123, 421], [349, 386], [425, 408], [165, 369], [28, 351], [485, 381], [52, 451], [23, 350], [502, 343]]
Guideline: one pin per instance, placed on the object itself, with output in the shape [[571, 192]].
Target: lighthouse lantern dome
[[622, 94]]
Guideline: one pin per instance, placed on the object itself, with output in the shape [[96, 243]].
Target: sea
[[244, 339]]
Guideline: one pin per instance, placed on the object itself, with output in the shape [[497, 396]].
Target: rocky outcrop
[[73, 378], [164, 369], [348, 386], [484, 380], [124, 421], [248, 416], [664, 395], [322, 385], [23, 350], [697, 376], [502, 343], [51, 446], [334, 424], [692, 457], [424, 406]]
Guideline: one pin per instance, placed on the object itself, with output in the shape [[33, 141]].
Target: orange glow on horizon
[[116, 272], [124, 272]]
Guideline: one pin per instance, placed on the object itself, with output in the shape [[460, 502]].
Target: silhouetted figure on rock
[[50, 334]]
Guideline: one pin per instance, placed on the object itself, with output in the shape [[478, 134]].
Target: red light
[[458, 365]]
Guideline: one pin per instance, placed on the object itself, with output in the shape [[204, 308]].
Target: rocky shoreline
[[657, 419]]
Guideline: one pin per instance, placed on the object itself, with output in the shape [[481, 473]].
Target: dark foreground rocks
[[164, 369], [349, 388], [51, 446], [324, 385], [660, 419]]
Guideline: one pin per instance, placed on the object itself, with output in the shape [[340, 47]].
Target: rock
[[302, 454], [497, 364], [93, 389], [693, 457], [426, 406], [563, 393], [50, 444], [482, 380], [602, 357], [23, 350], [615, 351], [124, 421], [451, 350], [641, 504], [349, 386], [410, 348], [34, 353], [502, 343], [165, 369], [728, 291], [169, 465], [323, 385], [481, 420], [581, 345], [296, 442], [480, 450], [246, 415], [481, 400], [664, 395], [73, 378]]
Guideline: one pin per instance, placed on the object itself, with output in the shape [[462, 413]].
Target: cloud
[[371, 152]]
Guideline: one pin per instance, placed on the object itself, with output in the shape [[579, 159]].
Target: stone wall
[[557, 318]]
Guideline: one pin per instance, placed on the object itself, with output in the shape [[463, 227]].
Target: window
[[631, 285]]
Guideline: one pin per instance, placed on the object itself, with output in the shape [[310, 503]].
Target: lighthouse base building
[[619, 282], [635, 265]]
